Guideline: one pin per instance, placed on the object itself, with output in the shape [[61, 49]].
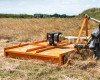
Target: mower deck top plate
[[52, 52]]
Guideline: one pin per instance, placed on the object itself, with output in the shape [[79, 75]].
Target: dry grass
[[14, 31], [36, 29], [11, 69]]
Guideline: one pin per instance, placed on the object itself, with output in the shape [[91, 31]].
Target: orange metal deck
[[40, 50]]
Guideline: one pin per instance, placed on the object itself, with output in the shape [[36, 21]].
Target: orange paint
[[39, 50]]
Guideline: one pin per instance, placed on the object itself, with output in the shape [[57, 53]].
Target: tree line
[[15, 16], [35, 16], [54, 15]]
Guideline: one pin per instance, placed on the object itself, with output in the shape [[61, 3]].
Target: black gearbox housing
[[52, 37]]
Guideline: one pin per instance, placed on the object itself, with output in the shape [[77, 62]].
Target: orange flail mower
[[56, 49]]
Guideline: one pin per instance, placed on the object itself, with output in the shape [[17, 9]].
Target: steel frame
[[47, 58]]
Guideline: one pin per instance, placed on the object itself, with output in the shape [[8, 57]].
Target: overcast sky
[[69, 7]]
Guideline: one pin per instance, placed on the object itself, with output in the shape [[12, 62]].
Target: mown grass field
[[14, 31]]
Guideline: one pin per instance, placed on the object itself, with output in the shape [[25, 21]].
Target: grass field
[[36, 29], [14, 31]]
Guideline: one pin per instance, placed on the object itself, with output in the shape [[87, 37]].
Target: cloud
[[69, 7], [93, 0]]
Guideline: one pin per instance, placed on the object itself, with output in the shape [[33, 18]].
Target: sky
[[69, 7]]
